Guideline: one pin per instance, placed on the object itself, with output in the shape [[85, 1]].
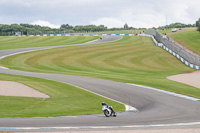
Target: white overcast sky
[[111, 13]]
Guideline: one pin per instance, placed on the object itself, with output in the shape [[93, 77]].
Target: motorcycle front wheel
[[106, 113]]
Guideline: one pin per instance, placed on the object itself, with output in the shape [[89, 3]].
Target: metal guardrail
[[186, 54]]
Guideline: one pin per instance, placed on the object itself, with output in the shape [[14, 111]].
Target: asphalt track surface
[[154, 107]]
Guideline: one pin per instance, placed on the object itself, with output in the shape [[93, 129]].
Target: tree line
[[177, 25], [181, 25], [28, 29]]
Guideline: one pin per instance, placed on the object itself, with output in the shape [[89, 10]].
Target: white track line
[[127, 107], [167, 92], [3, 67], [101, 127]]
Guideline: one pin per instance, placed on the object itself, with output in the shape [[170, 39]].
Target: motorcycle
[[108, 110]]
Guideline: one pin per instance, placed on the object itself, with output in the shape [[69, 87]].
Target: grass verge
[[131, 60], [189, 39], [26, 42], [65, 100]]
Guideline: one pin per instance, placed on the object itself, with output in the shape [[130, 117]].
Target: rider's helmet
[[103, 103]]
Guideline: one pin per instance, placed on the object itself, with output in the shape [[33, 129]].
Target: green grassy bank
[[65, 100], [189, 39], [26, 42]]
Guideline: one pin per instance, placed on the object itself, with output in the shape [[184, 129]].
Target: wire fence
[[7, 34], [188, 55]]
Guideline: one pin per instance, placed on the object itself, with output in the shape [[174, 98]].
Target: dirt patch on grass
[[10, 88], [192, 79]]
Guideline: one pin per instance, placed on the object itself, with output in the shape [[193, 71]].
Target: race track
[[154, 107]]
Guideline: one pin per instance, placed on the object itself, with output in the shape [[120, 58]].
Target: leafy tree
[[89, 28], [198, 27], [125, 26], [198, 22], [66, 26]]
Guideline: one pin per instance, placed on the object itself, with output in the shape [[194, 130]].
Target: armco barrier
[[185, 53], [82, 35], [172, 52]]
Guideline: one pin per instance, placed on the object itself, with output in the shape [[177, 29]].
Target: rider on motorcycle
[[104, 106]]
